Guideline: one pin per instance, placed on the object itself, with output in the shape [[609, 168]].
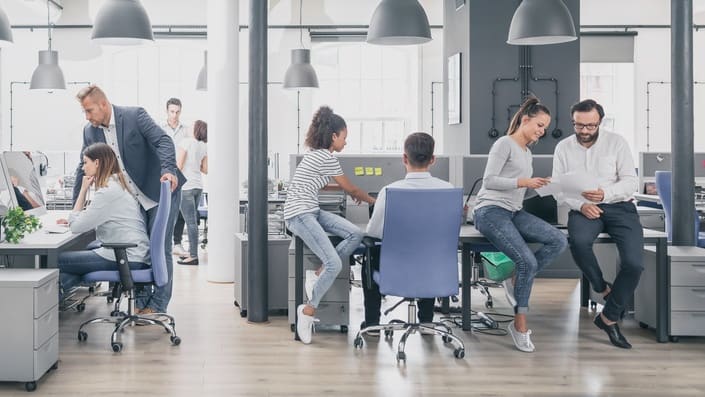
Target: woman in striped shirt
[[305, 218]]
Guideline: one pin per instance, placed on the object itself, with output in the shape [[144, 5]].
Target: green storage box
[[498, 267]]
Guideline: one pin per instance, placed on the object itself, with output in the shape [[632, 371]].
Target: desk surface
[[41, 239]]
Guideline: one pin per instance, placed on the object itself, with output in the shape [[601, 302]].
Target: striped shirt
[[312, 174]]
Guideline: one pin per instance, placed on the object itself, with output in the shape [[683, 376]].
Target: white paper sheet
[[570, 185]]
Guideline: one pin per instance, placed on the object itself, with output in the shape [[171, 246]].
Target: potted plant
[[16, 224]]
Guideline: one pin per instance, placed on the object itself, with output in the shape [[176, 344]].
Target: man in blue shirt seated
[[418, 158]]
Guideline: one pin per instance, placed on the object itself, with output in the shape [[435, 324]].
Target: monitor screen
[[24, 181]]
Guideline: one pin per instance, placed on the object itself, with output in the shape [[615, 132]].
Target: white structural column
[[223, 122]]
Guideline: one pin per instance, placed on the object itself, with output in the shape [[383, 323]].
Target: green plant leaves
[[16, 224]]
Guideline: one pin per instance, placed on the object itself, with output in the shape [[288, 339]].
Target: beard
[[588, 138]]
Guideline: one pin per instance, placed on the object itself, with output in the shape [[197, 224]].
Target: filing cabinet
[[334, 308], [686, 290], [29, 336]]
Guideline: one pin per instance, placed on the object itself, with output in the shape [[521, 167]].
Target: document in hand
[[570, 185]]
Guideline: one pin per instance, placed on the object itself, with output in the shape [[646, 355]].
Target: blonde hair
[[107, 165], [92, 91]]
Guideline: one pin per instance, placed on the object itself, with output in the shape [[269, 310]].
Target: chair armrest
[[369, 243], [123, 263], [118, 245]]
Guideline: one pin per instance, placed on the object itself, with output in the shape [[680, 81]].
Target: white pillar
[[223, 151]]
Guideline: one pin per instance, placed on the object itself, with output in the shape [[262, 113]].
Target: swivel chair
[[129, 280], [418, 259], [663, 187]]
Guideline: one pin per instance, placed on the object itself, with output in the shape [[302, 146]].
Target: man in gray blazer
[[146, 156]]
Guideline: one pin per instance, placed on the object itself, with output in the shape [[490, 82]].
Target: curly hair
[[325, 123]]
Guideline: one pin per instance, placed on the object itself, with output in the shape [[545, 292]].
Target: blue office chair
[[419, 258], [663, 187], [128, 280]]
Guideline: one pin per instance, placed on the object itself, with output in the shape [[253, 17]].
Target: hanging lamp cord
[[49, 25], [301, 25]]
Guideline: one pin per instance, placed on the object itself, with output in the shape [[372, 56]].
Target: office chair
[[663, 187], [129, 280], [418, 259], [203, 214]]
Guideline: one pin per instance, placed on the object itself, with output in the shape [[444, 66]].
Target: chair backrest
[[663, 187], [158, 236], [419, 257]]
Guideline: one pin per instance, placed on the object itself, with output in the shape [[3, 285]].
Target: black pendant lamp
[[537, 22]]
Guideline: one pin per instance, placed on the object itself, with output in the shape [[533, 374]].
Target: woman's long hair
[[107, 165]]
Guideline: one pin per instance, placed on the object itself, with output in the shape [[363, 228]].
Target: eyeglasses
[[589, 127]]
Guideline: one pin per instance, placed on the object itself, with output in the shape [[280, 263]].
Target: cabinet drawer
[[311, 262], [339, 291], [46, 326], [687, 273], [688, 323], [46, 356], [328, 313], [46, 296], [687, 298]]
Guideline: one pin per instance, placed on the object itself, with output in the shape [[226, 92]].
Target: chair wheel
[[593, 305], [388, 333], [91, 289], [446, 339], [175, 340], [674, 339], [243, 313], [80, 307], [110, 299], [30, 386], [459, 353], [82, 336], [343, 329], [117, 347], [643, 325], [358, 342], [115, 313], [401, 356], [489, 304], [292, 327]]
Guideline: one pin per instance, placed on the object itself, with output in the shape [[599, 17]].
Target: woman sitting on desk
[[500, 218], [115, 214]]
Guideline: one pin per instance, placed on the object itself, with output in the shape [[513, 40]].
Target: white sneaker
[[311, 279], [178, 250], [304, 325], [522, 340], [508, 285], [425, 330]]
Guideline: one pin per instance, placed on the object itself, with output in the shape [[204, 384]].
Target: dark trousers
[[373, 298], [179, 228], [621, 221]]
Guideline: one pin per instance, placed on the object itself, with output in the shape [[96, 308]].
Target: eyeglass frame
[[587, 127]]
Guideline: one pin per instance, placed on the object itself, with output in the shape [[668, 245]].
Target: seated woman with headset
[[113, 212]]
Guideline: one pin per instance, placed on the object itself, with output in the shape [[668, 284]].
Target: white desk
[[470, 239], [45, 247]]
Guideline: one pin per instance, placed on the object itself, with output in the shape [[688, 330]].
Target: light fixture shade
[[202, 80], [5, 31], [300, 73], [48, 76], [122, 22], [399, 22], [537, 22]]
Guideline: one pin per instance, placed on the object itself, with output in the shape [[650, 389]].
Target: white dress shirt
[[609, 159], [413, 180], [177, 134]]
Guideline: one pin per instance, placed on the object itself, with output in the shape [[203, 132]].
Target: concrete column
[[223, 121], [682, 140]]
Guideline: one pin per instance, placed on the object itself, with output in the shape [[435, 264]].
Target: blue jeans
[[73, 265], [189, 210], [510, 232], [158, 299], [312, 227]]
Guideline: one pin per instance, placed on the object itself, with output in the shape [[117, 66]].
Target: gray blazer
[[146, 150]]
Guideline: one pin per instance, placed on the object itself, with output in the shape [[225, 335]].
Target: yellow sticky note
[[359, 171], [369, 171], [378, 171]]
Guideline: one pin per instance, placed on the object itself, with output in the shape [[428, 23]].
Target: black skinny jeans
[[621, 221]]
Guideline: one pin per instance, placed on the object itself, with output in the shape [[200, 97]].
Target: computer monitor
[[545, 208], [24, 181]]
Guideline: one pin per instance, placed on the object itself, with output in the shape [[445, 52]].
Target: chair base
[[411, 327], [122, 320]]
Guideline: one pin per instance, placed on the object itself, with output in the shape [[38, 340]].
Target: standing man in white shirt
[[177, 131], [605, 209]]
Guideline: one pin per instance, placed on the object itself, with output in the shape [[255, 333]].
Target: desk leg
[[298, 279], [37, 261], [663, 281], [465, 281], [584, 291]]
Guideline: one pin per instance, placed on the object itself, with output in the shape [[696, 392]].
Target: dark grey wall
[[456, 38], [487, 56]]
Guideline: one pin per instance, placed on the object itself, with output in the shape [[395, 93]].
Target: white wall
[[652, 62]]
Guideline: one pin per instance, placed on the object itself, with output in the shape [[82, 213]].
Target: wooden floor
[[222, 355]]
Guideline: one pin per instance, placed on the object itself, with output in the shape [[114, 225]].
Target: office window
[[373, 88]]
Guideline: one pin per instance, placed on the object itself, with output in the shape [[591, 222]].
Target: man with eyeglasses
[[606, 209]]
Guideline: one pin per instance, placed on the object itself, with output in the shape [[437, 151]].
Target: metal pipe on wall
[[682, 141], [257, 291]]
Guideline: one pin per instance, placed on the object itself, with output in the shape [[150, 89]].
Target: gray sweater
[[507, 162]]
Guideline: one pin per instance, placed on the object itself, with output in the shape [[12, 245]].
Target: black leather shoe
[[613, 332], [188, 261]]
